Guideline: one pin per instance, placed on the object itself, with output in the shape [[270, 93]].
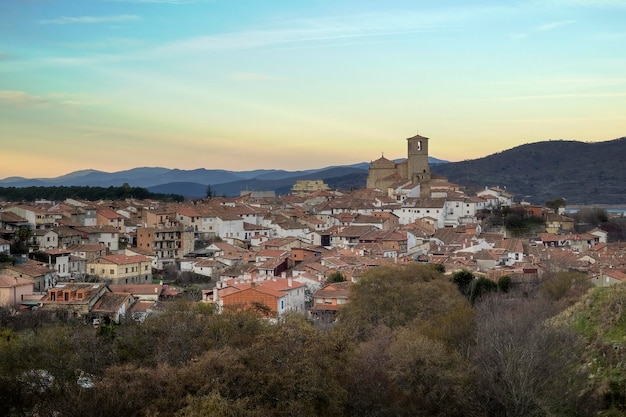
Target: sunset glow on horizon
[[243, 85]]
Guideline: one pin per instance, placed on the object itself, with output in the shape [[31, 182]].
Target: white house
[[413, 209], [504, 198]]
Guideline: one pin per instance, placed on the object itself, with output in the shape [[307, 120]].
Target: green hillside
[[600, 317]]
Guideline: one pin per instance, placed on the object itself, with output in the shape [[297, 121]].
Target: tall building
[[384, 173]]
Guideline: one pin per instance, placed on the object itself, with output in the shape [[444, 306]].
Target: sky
[[300, 84]]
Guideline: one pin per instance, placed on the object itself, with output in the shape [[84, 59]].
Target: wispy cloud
[[554, 25], [313, 32], [65, 20], [14, 98], [556, 96], [22, 99]]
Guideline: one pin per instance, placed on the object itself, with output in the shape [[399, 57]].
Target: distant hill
[[580, 172], [335, 177]]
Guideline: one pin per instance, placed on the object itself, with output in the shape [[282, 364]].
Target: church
[[384, 173]]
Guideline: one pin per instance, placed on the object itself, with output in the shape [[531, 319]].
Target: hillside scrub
[[407, 344]]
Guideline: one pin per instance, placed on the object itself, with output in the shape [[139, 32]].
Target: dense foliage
[[408, 343], [60, 193]]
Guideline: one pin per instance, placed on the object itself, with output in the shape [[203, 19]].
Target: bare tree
[[524, 366]]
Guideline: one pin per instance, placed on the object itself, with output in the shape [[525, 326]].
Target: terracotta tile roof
[[30, 268], [121, 259], [334, 290], [10, 217], [436, 203], [83, 247], [510, 245], [136, 289], [207, 263], [89, 289], [97, 229], [8, 281], [188, 212], [111, 302], [270, 253], [109, 214], [615, 274], [354, 231]]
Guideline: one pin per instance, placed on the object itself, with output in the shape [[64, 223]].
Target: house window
[[111, 271]]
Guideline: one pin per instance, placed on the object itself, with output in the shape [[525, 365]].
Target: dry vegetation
[[408, 344]]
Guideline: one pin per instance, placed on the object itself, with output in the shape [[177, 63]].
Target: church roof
[[418, 137], [382, 162]]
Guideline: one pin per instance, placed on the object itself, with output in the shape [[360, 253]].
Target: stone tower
[[418, 166]]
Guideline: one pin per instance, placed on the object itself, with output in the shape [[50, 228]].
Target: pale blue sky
[[242, 85]]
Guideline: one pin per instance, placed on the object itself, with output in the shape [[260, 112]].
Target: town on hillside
[[112, 261]]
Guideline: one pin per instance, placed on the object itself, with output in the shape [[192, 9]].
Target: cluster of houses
[[100, 260]]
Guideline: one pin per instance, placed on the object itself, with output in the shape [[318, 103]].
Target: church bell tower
[[418, 166]]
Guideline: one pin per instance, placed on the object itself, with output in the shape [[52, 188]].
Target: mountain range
[[579, 172]]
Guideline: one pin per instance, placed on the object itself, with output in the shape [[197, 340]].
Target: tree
[[394, 297], [555, 204], [424, 372], [480, 287], [463, 280], [23, 236], [215, 405], [565, 288], [588, 218], [335, 277], [524, 366], [210, 193], [289, 370], [504, 283]]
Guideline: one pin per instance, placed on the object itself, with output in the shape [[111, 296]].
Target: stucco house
[[608, 277], [272, 297], [112, 307], [122, 269], [108, 236], [329, 299], [44, 239], [13, 290], [40, 274]]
